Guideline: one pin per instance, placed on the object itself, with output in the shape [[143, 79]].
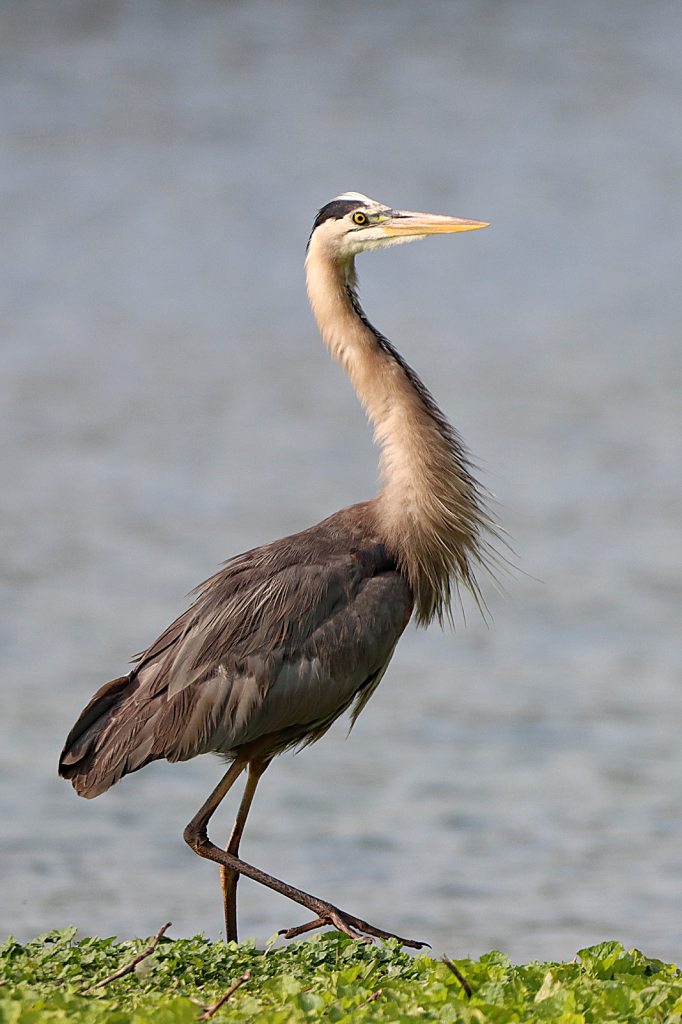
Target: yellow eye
[[359, 218]]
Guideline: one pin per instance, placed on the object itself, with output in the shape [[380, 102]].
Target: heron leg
[[326, 914], [228, 877]]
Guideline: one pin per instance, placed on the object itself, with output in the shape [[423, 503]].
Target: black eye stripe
[[335, 210]]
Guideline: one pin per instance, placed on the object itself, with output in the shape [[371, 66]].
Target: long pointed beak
[[403, 222]]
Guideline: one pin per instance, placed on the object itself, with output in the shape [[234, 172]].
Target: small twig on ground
[[132, 965], [460, 977], [370, 999], [210, 1010]]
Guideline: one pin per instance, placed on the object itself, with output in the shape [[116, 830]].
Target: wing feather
[[274, 645]]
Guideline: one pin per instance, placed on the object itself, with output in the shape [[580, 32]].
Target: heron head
[[352, 223]]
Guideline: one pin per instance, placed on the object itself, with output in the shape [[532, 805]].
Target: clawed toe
[[352, 926], [291, 933]]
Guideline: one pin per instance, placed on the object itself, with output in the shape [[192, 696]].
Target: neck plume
[[430, 512]]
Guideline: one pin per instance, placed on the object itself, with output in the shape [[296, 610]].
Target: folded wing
[[272, 647]]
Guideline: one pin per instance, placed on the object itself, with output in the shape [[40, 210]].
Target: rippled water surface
[[167, 403]]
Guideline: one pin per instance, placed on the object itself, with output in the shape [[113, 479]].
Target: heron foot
[[328, 916], [353, 926]]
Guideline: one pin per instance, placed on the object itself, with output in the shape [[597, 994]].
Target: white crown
[[355, 195]]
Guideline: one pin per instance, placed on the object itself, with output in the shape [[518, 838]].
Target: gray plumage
[[288, 636], [280, 642]]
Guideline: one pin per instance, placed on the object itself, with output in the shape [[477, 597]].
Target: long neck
[[430, 513]]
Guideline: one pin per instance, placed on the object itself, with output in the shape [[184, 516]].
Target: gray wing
[[271, 647]]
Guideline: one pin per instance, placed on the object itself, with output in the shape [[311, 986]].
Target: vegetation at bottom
[[326, 978]]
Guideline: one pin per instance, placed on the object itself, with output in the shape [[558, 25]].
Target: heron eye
[[359, 218]]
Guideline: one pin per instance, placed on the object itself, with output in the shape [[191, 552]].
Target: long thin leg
[[228, 877], [196, 836]]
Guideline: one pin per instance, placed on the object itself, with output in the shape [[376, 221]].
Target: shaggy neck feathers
[[429, 513]]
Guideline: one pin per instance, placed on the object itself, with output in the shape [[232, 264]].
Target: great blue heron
[[287, 637]]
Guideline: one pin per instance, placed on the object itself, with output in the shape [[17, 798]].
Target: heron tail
[[102, 747]]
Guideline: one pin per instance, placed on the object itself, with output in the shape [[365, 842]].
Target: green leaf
[[329, 978]]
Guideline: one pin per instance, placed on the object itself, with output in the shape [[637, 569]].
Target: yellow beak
[[403, 222]]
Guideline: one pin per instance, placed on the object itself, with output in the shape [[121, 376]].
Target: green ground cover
[[327, 978]]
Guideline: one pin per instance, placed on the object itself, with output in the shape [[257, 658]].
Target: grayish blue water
[[166, 403]]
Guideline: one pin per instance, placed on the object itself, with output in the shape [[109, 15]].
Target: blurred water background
[[167, 403]]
